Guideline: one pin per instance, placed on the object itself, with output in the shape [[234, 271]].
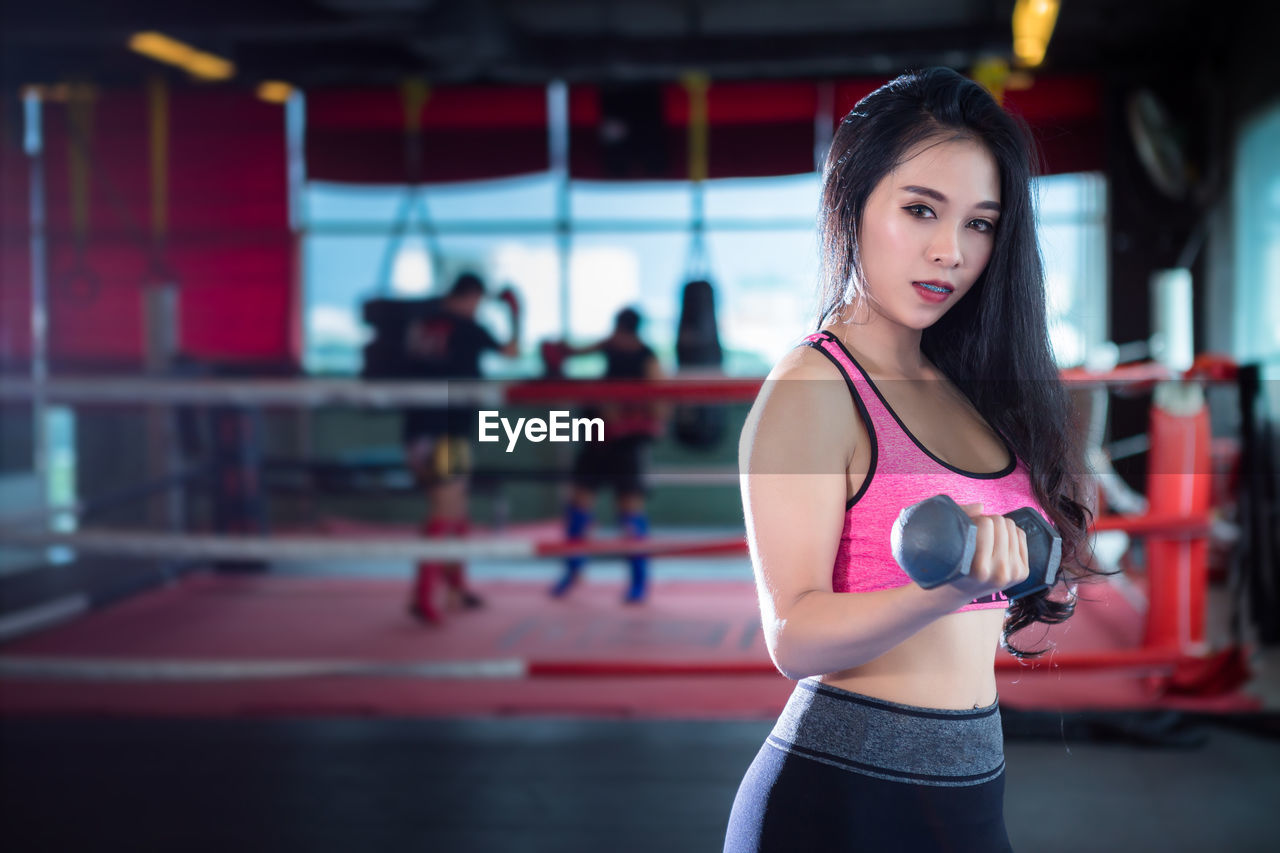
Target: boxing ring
[[1159, 626]]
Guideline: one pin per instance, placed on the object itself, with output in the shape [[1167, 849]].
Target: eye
[[912, 208], [984, 226]]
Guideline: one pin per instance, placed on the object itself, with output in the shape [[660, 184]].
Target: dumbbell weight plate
[[940, 545], [1044, 548]]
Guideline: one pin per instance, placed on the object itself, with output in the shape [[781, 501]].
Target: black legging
[[792, 804], [846, 772]]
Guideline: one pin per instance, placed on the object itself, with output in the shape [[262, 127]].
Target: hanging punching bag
[[385, 356], [698, 348]]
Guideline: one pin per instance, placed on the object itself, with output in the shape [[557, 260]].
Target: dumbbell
[[934, 542]]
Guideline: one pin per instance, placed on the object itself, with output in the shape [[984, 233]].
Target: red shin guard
[[424, 599], [429, 571]]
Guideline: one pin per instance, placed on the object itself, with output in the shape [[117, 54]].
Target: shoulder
[[803, 404], [804, 362], [807, 384]]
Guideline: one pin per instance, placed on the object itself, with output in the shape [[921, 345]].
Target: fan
[[1158, 145]]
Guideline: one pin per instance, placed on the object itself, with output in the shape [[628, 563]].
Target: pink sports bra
[[904, 472]]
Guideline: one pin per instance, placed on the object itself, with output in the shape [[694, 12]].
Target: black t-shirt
[[440, 344], [443, 345], [626, 364], [625, 419]]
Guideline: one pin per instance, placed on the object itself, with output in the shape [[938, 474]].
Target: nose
[[945, 248]]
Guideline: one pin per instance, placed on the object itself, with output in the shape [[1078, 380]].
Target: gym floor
[[562, 785], [1096, 781]]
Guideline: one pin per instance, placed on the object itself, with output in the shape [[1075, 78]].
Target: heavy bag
[[384, 357], [698, 348]]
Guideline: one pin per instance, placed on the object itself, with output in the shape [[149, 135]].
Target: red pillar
[[1179, 477]]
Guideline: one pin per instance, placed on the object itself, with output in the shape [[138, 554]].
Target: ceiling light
[[197, 63], [274, 91], [1033, 22]]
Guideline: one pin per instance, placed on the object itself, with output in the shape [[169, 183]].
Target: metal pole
[[295, 127], [558, 149], [161, 318], [823, 123], [33, 146]]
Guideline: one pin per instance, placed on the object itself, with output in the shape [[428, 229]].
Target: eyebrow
[[937, 196]]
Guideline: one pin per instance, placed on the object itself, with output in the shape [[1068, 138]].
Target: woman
[[933, 339]]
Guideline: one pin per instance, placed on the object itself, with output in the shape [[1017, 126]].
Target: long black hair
[[994, 343]]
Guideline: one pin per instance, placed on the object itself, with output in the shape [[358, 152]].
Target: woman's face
[[930, 220]]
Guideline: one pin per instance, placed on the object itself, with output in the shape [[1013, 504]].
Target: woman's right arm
[[795, 447]]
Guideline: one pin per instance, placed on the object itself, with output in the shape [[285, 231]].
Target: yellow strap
[[452, 457], [414, 92], [158, 103], [696, 84], [80, 117]]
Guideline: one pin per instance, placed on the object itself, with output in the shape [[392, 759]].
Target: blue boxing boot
[[636, 526], [576, 522]]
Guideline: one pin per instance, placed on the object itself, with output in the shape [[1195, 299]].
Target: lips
[[941, 285], [929, 294]]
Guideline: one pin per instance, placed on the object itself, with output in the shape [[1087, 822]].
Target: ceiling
[[325, 42]]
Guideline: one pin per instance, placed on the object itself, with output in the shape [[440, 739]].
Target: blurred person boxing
[[444, 342], [619, 460]]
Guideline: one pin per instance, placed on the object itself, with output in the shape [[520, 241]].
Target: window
[[632, 244], [363, 242], [1071, 224], [1257, 236]]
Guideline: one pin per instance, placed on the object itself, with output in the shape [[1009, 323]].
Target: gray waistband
[[889, 740]]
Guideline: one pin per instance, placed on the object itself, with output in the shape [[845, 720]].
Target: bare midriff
[[949, 663]]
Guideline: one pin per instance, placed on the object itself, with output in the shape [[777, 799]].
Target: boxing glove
[[509, 296], [553, 356]]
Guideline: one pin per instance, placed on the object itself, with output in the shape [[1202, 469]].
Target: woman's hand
[[1000, 558]]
